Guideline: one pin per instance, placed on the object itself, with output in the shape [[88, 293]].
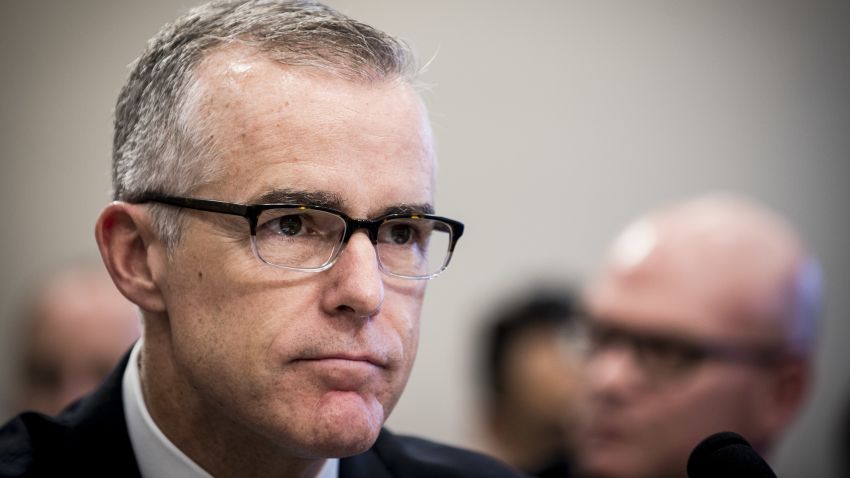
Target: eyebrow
[[423, 208], [292, 196], [332, 201]]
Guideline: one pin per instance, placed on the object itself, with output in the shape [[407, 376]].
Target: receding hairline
[[295, 32], [708, 234], [229, 57], [218, 74]]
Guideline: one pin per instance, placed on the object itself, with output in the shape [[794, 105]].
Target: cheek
[[398, 327], [403, 305], [411, 347], [402, 325], [225, 317], [735, 401], [716, 402], [409, 328], [227, 310]]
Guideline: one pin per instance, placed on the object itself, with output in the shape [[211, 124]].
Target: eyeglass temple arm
[[198, 204]]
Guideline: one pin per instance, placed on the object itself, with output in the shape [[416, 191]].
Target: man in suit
[[702, 320], [274, 177]]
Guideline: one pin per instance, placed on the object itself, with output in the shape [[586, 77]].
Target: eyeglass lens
[[657, 356], [310, 239]]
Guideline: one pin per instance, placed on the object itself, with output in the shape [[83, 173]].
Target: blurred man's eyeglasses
[[310, 238], [665, 356]]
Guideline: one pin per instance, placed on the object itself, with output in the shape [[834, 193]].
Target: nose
[[357, 284], [613, 374]]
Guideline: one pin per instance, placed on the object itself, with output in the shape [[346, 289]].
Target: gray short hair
[[157, 145]]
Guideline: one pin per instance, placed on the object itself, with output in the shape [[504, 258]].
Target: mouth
[[602, 434], [345, 358], [605, 431], [345, 372]]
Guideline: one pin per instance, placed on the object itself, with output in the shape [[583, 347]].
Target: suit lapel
[[98, 442], [380, 461], [364, 465]]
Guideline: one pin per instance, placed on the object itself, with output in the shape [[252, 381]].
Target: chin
[[344, 441], [346, 427], [341, 447], [605, 465]]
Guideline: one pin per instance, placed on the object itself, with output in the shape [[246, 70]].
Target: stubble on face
[[282, 359]]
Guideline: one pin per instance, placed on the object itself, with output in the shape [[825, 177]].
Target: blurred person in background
[[76, 327], [530, 364], [702, 319]]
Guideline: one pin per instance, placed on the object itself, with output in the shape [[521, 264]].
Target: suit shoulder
[[24, 439], [413, 456]]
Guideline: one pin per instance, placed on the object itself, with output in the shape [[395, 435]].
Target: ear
[[788, 390], [130, 251]]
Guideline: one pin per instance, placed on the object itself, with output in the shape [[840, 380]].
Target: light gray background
[[556, 122]]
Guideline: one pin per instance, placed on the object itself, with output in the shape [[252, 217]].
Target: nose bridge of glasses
[[615, 368], [370, 228], [626, 346]]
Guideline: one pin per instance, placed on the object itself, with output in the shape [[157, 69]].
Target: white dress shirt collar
[[155, 454]]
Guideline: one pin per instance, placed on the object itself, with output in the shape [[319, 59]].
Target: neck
[[201, 429]]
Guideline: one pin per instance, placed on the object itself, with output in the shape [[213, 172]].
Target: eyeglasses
[[664, 356], [310, 238]]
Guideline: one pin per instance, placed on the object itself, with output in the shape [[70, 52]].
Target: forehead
[[670, 302], [274, 126]]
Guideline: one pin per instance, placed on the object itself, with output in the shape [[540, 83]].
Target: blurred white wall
[[556, 122]]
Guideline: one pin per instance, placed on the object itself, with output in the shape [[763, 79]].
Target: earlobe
[[127, 246]]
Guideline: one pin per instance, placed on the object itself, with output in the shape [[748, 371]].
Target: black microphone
[[727, 455]]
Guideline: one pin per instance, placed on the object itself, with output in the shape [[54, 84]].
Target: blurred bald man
[[77, 327], [702, 320]]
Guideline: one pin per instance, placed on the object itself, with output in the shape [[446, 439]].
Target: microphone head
[[727, 455]]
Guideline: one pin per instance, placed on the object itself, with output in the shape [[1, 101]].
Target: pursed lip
[[606, 430], [344, 372], [367, 358]]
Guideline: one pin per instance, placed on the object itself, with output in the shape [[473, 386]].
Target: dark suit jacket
[[90, 439]]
